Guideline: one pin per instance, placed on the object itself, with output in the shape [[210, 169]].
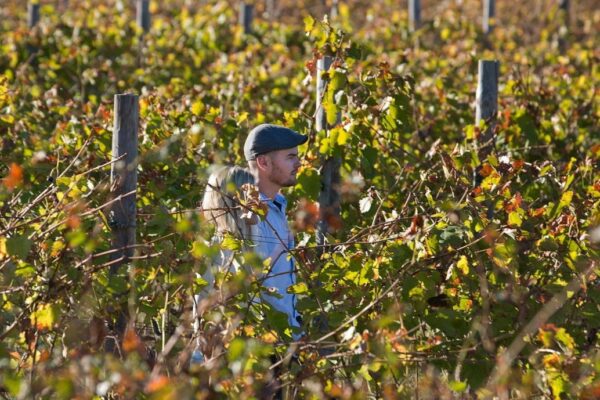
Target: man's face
[[282, 167]]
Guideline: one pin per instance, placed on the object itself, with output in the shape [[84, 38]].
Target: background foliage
[[435, 275]]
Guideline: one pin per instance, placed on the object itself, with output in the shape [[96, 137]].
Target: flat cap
[[268, 137]]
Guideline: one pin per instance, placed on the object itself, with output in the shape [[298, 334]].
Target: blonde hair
[[221, 200]]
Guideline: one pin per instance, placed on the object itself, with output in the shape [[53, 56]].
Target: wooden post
[[33, 14], [565, 7], [564, 13], [323, 64], [487, 103], [329, 207], [489, 12], [143, 14], [245, 20], [270, 8], [123, 178], [63, 5], [414, 14], [334, 9]]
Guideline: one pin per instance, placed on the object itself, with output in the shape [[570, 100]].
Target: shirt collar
[[279, 198]]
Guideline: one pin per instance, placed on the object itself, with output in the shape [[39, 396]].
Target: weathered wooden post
[[143, 14], [270, 8], [564, 11], [142, 18], [329, 207], [33, 17], [63, 5], [565, 7], [123, 178], [487, 103], [33, 14], [414, 14], [334, 9], [245, 19], [122, 214], [489, 12]]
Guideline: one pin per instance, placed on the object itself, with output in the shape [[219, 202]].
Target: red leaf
[[157, 384], [416, 224], [514, 203], [131, 341], [538, 212], [486, 170], [311, 66], [518, 164], [15, 176]]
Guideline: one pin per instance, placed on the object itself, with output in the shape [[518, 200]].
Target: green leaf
[[563, 337], [231, 243], [12, 383], [457, 386], [25, 270], [331, 110], [337, 82], [277, 319], [309, 183], [558, 383], [526, 124], [236, 349], [199, 249], [18, 246], [354, 52], [117, 284], [76, 238]]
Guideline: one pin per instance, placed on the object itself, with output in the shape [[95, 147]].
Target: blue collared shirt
[[274, 240]]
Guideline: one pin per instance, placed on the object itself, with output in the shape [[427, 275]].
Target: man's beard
[[289, 182]]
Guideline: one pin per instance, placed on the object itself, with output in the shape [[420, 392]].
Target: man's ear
[[262, 161]]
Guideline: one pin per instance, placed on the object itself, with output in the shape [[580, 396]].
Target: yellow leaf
[[343, 136], [445, 34], [57, 247], [269, 337], [242, 117], [514, 219], [143, 106], [45, 316], [463, 265], [9, 119], [249, 330], [3, 252], [197, 107], [566, 198]]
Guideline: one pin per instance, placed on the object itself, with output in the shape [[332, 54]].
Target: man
[[272, 155]]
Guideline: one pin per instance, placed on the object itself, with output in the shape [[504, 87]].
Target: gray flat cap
[[267, 137]]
